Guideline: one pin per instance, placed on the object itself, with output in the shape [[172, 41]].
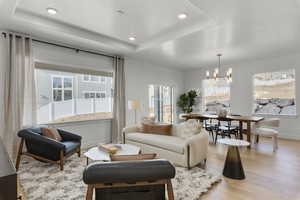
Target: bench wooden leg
[[170, 190], [19, 154], [89, 193]]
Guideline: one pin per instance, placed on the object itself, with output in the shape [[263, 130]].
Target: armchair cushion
[[171, 143], [51, 133], [71, 147]]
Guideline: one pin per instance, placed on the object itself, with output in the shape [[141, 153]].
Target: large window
[[161, 103], [216, 94], [65, 96], [274, 93]]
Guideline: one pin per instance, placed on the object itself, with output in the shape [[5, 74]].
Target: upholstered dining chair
[[267, 128]]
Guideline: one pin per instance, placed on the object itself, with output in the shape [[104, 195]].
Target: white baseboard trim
[[291, 135]]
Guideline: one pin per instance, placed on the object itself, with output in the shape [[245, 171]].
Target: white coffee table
[[233, 167], [95, 154]]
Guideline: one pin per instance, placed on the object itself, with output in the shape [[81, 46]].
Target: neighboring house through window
[[93, 78], [62, 88], [67, 96], [94, 95]]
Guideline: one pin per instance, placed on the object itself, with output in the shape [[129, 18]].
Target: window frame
[[62, 77], [171, 100], [274, 114], [203, 107]]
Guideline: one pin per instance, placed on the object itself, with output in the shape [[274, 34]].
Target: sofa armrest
[[198, 145], [67, 136], [131, 129]]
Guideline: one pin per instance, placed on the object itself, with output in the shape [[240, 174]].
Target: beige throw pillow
[[189, 128], [52, 133], [160, 129]]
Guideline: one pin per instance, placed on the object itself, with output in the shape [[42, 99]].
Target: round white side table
[[233, 167]]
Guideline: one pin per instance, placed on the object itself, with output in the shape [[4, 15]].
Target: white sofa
[[183, 152]]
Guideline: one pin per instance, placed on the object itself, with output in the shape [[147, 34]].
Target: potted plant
[[187, 100]]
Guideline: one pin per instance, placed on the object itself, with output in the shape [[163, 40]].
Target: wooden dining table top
[[231, 117]]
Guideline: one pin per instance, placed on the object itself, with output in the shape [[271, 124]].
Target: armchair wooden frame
[[167, 182], [60, 162]]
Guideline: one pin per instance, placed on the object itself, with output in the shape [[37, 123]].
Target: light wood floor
[[269, 176]]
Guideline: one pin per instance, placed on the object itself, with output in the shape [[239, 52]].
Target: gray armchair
[[46, 149]]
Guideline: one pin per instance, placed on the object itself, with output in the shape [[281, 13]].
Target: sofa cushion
[[171, 143], [161, 129]]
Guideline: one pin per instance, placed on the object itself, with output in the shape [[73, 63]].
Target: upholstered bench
[[132, 180]]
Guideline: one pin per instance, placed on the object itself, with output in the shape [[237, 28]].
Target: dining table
[[240, 118]]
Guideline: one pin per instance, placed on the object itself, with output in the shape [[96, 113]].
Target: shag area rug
[[42, 181]]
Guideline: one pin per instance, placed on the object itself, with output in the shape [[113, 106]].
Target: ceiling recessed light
[[131, 38], [182, 16], [52, 11], [121, 12]]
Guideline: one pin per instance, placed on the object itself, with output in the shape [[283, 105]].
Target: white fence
[[56, 110]]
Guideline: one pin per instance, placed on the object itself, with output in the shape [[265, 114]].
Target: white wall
[[139, 75], [242, 87], [93, 132]]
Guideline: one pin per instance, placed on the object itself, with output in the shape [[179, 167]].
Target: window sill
[[76, 122]]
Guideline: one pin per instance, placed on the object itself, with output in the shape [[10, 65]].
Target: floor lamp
[[134, 105]]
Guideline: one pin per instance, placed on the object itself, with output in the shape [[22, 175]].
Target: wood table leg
[[249, 133], [257, 139], [241, 130]]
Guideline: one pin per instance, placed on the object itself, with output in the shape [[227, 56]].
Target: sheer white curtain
[[119, 108], [17, 86]]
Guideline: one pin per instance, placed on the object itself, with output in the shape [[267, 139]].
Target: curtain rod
[[65, 46]]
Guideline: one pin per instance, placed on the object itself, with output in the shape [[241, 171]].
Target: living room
[[206, 91]]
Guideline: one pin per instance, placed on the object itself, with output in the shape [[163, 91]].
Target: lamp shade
[[133, 104]]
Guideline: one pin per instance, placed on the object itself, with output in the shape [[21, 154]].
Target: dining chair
[[225, 129], [267, 128], [210, 126]]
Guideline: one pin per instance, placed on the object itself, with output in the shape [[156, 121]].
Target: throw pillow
[[189, 128], [52, 133], [161, 129], [148, 120]]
